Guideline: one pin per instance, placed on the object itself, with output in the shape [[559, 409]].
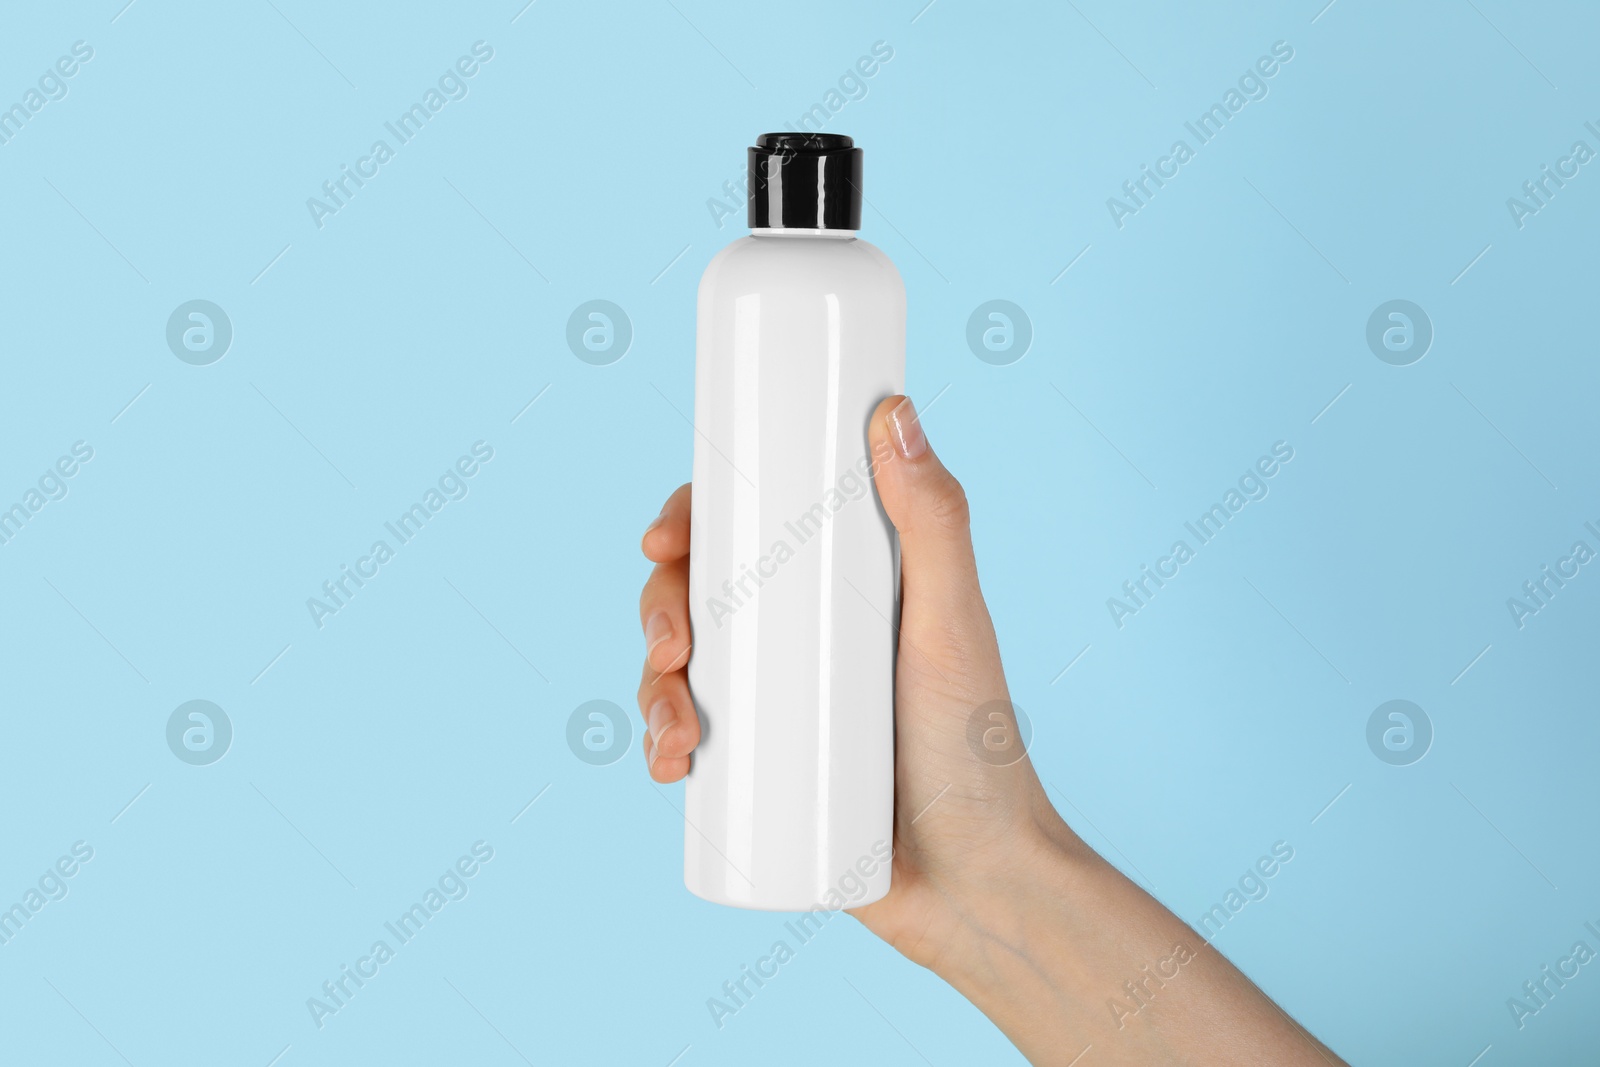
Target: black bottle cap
[[805, 181]]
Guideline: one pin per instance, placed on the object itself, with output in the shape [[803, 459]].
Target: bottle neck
[[799, 231]]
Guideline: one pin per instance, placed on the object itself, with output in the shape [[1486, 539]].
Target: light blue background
[[371, 353]]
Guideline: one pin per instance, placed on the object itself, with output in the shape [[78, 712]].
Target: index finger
[[667, 538]]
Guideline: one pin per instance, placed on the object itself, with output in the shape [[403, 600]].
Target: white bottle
[[793, 565]]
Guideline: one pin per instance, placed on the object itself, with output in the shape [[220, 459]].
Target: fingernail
[[657, 630], [906, 429], [657, 521], [661, 719]]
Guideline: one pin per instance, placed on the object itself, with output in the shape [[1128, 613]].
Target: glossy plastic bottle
[[793, 565]]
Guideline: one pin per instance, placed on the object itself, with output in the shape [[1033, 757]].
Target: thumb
[[939, 577]]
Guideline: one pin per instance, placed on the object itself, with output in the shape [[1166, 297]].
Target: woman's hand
[[990, 888]]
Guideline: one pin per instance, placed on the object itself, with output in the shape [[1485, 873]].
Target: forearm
[[1074, 955]]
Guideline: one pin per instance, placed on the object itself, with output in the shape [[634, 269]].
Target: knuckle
[[647, 686], [948, 510], [650, 596]]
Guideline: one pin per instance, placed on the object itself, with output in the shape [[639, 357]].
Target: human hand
[[962, 825], [990, 888]]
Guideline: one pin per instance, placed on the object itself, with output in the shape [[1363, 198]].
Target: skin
[[991, 890]]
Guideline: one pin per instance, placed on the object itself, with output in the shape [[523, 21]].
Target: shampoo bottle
[[793, 565]]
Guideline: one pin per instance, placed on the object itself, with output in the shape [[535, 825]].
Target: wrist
[[1004, 928], [1061, 951], [1046, 945]]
